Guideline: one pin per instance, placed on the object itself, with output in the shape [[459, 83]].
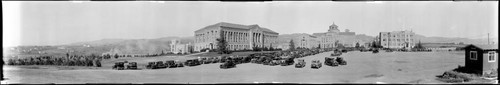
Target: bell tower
[[334, 28]]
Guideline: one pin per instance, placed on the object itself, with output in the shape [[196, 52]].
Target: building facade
[[482, 59], [238, 37], [331, 39], [334, 37], [176, 47], [397, 39], [300, 40]]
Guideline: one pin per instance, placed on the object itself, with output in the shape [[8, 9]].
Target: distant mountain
[[157, 45], [424, 39], [128, 46]]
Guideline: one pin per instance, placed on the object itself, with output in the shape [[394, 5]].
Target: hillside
[[157, 45], [424, 39]]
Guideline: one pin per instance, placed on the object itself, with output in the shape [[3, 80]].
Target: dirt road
[[362, 67]]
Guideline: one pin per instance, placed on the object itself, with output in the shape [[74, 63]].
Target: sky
[[60, 22]]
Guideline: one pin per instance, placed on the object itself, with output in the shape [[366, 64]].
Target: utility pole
[[488, 38]]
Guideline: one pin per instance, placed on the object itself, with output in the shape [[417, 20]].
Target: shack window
[[473, 55], [491, 56]]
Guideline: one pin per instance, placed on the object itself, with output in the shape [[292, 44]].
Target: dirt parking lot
[[362, 67]]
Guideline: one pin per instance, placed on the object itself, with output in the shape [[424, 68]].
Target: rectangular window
[[492, 56], [473, 55]]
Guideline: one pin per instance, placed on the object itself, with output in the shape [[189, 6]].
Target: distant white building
[[397, 39], [176, 47], [238, 37]]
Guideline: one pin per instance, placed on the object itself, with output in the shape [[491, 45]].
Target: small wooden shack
[[481, 59]]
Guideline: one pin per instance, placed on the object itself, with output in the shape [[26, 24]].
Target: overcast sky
[[55, 23]]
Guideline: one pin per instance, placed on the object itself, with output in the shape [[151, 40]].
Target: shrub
[[204, 49], [454, 77]]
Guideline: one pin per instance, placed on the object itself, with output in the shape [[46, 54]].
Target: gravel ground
[[362, 67]]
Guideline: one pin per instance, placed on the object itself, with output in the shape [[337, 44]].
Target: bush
[[454, 77], [204, 50]]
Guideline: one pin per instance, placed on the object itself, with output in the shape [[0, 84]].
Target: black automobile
[[344, 50], [223, 59], [336, 53], [274, 63], [331, 61], [179, 63], [119, 66], [215, 59], [192, 62], [287, 62], [228, 64], [160, 64], [389, 50], [204, 60], [316, 64], [375, 51], [170, 64], [151, 65], [300, 64], [341, 61], [132, 65]]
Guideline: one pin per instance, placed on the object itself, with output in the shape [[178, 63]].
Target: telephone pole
[[488, 38]]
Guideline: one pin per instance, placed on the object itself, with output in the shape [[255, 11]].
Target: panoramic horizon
[[58, 23], [216, 42]]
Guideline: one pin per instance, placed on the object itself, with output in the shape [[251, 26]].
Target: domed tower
[[334, 28]]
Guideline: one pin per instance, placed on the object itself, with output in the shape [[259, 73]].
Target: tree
[[357, 44], [374, 44], [222, 45], [292, 45], [265, 49], [419, 45], [116, 55]]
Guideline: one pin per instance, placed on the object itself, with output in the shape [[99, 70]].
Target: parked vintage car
[[119, 66], [331, 61], [336, 53], [344, 50], [179, 63], [316, 64], [389, 50], [215, 59], [205, 60], [287, 61], [192, 62], [228, 64], [223, 59], [341, 61], [300, 64], [132, 65], [160, 64], [151, 65], [170, 64], [274, 63], [375, 51]]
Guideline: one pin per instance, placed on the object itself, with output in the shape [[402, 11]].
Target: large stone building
[[301, 40], [397, 39], [330, 39], [238, 37], [335, 37], [177, 47]]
